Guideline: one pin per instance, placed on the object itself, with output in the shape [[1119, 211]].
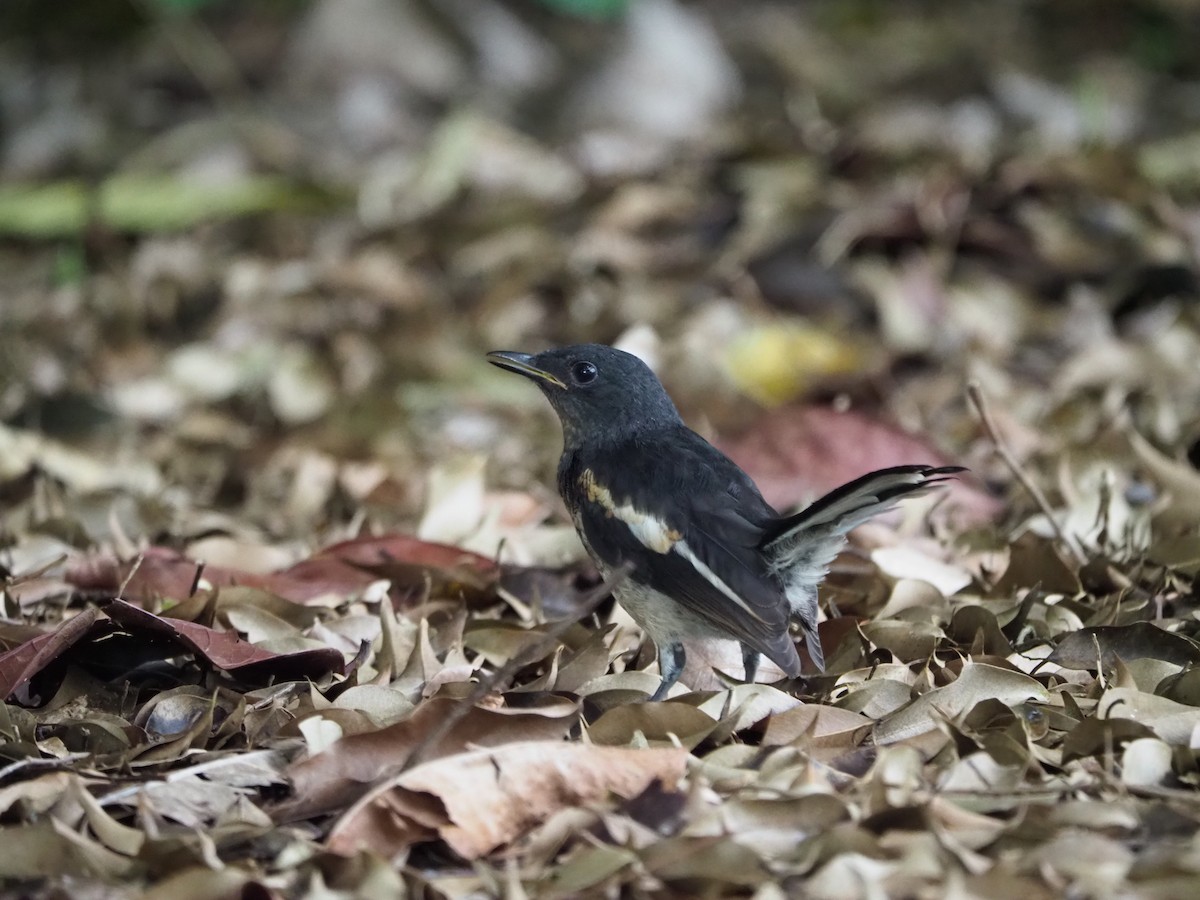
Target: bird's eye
[[584, 372]]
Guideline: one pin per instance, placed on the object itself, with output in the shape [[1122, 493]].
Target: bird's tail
[[802, 546]]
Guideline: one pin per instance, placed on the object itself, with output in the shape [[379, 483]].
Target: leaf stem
[[975, 395]]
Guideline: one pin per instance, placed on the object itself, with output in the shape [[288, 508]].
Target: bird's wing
[[801, 547], [693, 529]]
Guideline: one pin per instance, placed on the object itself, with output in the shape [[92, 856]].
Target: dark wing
[[691, 524]]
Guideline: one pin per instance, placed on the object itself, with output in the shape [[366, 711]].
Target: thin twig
[[137, 564], [975, 394], [196, 578], [31, 574], [510, 668]]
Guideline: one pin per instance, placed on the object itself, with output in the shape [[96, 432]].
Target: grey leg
[[671, 659], [812, 640], [750, 662]]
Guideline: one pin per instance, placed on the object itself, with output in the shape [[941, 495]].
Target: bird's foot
[[750, 658], [671, 660]]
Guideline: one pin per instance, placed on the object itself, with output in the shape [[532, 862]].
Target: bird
[[702, 553]]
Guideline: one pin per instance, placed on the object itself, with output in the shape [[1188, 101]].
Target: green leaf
[[589, 9], [182, 6], [141, 203]]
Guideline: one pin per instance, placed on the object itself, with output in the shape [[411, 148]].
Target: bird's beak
[[522, 364]]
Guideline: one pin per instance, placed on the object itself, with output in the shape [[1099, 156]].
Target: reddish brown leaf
[[162, 572], [316, 577], [796, 454], [410, 563], [343, 569], [23, 662], [159, 572], [402, 548], [225, 650], [166, 573]]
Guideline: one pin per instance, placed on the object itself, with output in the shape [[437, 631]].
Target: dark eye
[[584, 372]]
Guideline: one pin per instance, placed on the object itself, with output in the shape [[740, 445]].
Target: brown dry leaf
[[744, 706], [1180, 481], [815, 726], [976, 682], [1172, 722], [199, 795], [50, 848], [1090, 648], [36, 794], [903, 638], [714, 860], [657, 723], [489, 798], [588, 868], [1035, 562], [339, 775], [202, 606], [202, 883]]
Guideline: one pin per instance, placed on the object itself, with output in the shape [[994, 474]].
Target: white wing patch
[[655, 534], [652, 532], [682, 548]]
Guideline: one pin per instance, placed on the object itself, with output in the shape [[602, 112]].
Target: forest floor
[[290, 607]]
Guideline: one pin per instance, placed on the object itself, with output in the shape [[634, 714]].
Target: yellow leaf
[[777, 363]]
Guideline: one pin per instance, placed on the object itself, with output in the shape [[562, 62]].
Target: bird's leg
[[671, 659], [750, 658]]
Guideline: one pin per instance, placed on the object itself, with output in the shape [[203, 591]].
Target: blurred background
[[251, 253]]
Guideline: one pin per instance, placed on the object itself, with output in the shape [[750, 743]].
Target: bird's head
[[599, 393]]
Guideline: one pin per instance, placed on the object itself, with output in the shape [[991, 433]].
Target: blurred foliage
[[143, 203], [592, 9], [90, 27]]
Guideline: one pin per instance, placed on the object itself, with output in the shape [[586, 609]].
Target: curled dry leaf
[[1100, 647], [1172, 722], [744, 706], [658, 723], [225, 650], [977, 682], [818, 727], [51, 849], [340, 774], [488, 798], [26, 660]]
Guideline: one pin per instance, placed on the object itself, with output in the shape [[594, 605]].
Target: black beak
[[522, 364]]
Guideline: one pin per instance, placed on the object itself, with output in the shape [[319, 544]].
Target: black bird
[[706, 555]]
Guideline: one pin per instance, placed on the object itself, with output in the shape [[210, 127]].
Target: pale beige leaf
[[487, 798]]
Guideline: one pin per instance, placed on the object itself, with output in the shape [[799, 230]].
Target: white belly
[[662, 618]]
